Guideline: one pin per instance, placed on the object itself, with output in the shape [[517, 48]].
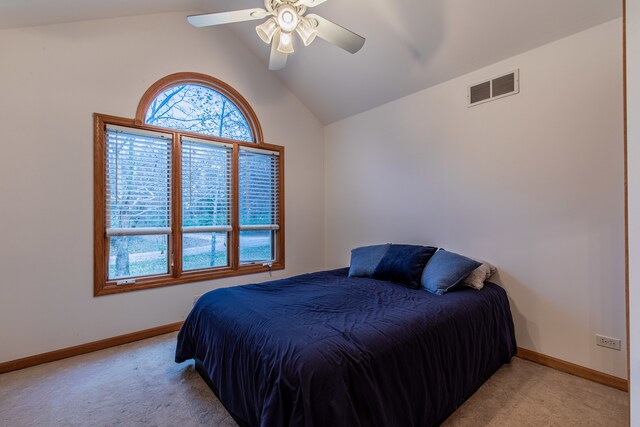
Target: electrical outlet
[[608, 342], [196, 298]]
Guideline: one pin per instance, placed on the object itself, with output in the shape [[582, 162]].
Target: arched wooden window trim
[[176, 274], [178, 79]]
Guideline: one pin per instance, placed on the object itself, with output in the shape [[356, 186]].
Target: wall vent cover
[[495, 88]]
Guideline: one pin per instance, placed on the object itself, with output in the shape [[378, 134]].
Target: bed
[[325, 349]]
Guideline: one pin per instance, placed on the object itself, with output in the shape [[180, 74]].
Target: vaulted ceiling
[[411, 44]]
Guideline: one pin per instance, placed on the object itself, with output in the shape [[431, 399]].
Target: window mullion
[[176, 207]]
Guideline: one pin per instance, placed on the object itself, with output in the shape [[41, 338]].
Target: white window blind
[[138, 187], [206, 186], [259, 189]]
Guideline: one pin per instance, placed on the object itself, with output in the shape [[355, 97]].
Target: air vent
[[480, 92], [496, 88]]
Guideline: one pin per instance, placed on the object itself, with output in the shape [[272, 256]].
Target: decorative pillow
[[445, 270], [478, 276], [365, 259], [404, 264]]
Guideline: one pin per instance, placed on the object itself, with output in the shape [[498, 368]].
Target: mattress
[[324, 349]]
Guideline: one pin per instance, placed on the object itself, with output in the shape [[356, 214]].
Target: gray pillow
[[365, 259], [478, 276]]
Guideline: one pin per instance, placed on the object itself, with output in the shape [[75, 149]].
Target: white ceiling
[[27, 13], [411, 44]]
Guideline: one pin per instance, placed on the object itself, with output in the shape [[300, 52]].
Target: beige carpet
[[140, 385]]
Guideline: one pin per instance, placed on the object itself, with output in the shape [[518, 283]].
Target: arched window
[[198, 109], [197, 103], [187, 190]]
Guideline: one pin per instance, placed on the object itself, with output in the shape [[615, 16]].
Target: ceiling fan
[[285, 17]]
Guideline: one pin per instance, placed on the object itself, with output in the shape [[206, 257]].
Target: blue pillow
[[404, 264], [445, 270], [365, 259]]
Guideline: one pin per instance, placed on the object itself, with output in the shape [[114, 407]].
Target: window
[[206, 204], [259, 219], [138, 202], [186, 191], [198, 109]]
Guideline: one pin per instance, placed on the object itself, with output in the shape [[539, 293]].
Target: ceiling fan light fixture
[[267, 29], [281, 19], [285, 43], [287, 18], [306, 31]]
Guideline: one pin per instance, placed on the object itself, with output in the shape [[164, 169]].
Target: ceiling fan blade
[[278, 60], [226, 17], [310, 3], [338, 35]]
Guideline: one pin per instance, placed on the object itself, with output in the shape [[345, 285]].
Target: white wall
[[633, 179], [52, 79], [532, 182]]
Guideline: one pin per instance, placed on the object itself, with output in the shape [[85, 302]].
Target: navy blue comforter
[[323, 349]]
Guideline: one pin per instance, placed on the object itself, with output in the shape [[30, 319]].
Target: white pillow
[[479, 275]]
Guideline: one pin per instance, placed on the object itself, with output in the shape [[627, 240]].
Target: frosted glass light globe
[[287, 18]]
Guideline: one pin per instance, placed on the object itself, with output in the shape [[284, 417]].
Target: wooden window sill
[[110, 288]]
